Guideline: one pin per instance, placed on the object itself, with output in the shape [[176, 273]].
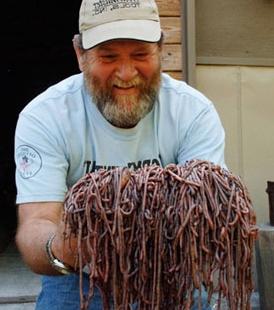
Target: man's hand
[[37, 223]]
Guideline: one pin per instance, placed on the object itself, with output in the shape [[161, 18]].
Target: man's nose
[[126, 71]]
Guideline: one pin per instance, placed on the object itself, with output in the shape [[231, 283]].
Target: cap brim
[[143, 30]]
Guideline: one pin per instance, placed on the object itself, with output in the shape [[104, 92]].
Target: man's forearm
[[31, 239]]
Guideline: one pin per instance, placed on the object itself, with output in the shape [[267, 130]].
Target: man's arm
[[37, 223]]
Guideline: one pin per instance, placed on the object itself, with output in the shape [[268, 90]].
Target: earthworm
[[150, 237]]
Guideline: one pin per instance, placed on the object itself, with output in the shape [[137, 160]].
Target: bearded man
[[121, 110]]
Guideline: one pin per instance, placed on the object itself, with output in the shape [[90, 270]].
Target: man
[[120, 111]]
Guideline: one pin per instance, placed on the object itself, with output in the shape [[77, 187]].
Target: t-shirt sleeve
[[205, 138], [41, 164]]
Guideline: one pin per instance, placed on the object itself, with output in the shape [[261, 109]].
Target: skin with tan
[[119, 67]]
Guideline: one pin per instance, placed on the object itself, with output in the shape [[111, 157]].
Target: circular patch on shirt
[[28, 160]]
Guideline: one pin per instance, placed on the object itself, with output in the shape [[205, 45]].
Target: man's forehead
[[121, 43]]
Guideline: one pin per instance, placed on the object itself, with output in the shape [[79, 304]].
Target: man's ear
[[80, 53], [161, 42]]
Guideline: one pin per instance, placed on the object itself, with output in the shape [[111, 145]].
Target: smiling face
[[123, 77]]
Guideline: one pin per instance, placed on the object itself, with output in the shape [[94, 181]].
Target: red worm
[[150, 237]]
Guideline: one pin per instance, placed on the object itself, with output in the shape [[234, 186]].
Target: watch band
[[55, 262]]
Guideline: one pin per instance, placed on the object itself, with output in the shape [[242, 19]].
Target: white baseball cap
[[104, 20]]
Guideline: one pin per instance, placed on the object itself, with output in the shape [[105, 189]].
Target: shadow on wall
[[7, 196]]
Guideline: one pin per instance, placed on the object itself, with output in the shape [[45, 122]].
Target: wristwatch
[[55, 262]]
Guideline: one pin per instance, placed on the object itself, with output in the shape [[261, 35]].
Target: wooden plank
[[172, 57], [172, 29], [178, 75], [18, 282], [23, 306], [18, 299], [236, 61], [171, 23], [169, 7]]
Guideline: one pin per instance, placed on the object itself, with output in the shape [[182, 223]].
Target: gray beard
[[117, 113], [124, 111]]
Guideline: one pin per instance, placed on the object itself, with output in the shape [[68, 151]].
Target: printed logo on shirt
[[28, 161], [93, 166]]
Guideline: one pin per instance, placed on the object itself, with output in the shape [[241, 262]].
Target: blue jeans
[[62, 293]]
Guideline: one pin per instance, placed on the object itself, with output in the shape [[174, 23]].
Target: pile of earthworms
[[155, 237]]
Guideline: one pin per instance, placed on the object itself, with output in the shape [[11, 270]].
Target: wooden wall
[[170, 13]]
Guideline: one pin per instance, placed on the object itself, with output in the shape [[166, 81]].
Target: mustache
[[135, 82]]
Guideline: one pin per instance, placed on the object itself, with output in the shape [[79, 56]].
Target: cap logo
[[103, 6]]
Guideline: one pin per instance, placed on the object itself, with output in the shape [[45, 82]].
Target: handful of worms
[[153, 237]]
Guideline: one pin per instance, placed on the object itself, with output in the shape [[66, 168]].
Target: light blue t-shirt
[[61, 136]]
